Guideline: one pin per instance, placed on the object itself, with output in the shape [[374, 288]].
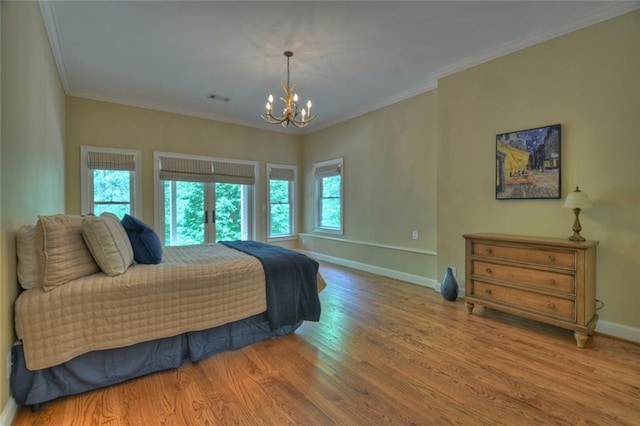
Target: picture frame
[[528, 164]]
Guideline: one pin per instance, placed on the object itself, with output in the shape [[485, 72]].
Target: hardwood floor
[[384, 351]]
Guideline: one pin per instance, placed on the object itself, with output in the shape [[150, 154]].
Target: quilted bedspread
[[194, 288]]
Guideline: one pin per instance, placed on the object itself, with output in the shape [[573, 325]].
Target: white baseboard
[[402, 276], [9, 412], [620, 331]]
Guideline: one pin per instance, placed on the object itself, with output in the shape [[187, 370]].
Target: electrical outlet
[[414, 235], [9, 365]]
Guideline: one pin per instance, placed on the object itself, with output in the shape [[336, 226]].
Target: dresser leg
[[469, 307], [581, 339]]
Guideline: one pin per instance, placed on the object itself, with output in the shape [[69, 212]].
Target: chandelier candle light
[[290, 114], [577, 200]]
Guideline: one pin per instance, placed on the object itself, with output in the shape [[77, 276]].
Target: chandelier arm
[[288, 119], [302, 123], [273, 119]]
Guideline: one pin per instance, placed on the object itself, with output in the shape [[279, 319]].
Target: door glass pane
[[184, 213], [229, 211]]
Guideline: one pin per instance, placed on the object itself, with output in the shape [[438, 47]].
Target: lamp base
[[576, 237], [576, 228]]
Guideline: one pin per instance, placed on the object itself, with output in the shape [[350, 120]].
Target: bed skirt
[[98, 369]]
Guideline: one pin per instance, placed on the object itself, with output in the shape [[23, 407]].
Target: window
[[329, 196], [110, 181], [281, 214], [203, 200]]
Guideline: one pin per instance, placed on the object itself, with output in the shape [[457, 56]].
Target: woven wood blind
[[110, 161], [277, 173]]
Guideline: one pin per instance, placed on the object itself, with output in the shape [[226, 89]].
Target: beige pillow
[[28, 264], [111, 216], [64, 255], [108, 242]]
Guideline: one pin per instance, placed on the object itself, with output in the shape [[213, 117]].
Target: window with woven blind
[[110, 181], [329, 196], [281, 213]]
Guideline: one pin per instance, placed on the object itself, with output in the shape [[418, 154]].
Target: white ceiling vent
[[218, 98]]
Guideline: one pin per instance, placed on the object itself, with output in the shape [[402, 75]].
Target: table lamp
[[577, 200]]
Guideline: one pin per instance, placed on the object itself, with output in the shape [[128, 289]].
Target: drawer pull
[[550, 281], [487, 290], [488, 270], [550, 305], [551, 258], [488, 250]]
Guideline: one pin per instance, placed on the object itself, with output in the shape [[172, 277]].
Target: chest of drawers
[[551, 280]]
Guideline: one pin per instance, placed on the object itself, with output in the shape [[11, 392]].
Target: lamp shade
[[577, 200]]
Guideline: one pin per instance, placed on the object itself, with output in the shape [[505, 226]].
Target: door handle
[[213, 216]]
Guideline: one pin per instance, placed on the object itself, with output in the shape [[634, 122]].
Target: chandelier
[[290, 114]]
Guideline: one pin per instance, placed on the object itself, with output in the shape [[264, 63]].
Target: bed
[[110, 323]]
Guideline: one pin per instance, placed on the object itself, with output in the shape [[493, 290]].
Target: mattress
[[194, 288]]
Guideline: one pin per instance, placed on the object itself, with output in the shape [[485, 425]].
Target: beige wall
[[32, 150], [117, 126], [589, 81], [389, 186]]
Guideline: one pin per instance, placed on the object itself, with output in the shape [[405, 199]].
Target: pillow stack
[[60, 248]]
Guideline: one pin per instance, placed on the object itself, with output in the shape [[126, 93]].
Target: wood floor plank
[[384, 351]]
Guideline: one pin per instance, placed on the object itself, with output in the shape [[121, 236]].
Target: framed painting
[[528, 164]]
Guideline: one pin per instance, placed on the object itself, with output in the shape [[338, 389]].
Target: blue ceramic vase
[[449, 286]]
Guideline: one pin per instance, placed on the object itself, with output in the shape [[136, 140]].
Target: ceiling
[[349, 57]]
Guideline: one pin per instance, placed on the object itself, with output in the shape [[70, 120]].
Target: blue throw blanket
[[291, 278]]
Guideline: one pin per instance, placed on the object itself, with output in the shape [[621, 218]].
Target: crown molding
[[180, 111], [429, 85], [51, 26], [609, 11]]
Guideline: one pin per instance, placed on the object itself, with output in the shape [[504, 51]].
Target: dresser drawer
[[545, 280], [533, 255], [534, 302]]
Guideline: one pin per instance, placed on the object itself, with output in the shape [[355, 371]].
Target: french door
[[199, 212]]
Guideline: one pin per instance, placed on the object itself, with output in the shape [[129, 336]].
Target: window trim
[[317, 196], [86, 178], [158, 189], [293, 202]]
